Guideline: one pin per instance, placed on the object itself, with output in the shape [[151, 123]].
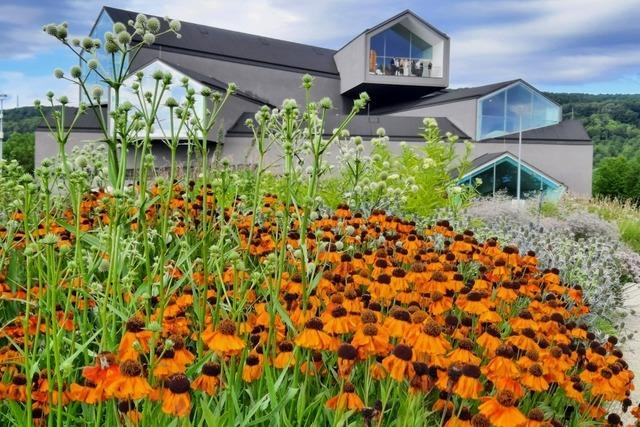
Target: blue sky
[[558, 45]]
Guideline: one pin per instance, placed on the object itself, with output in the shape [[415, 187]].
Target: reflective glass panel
[[499, 114], [398, 52]]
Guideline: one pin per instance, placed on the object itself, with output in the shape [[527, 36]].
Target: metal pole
[[519, 154]]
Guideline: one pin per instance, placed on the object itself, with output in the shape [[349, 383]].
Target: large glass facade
[[103, 24], [502, 176], [396, 51], [162, 127], [499, 113]]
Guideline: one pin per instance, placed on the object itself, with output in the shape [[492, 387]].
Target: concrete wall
[[353, 63], [572, 165], [463, 114], [569, 164], [270, 84]]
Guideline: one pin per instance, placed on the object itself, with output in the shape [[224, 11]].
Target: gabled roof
[[396, 127], [569, 132], [487, 159], [448, 95], [206, 79], [234, 45], [87, 122], [395, 18]]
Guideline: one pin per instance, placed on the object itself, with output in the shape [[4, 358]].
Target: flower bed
[[380, 318]]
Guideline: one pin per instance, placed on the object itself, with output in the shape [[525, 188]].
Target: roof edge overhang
[[508, 154]]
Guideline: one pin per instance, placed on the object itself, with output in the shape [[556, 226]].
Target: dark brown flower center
[[178, 384]]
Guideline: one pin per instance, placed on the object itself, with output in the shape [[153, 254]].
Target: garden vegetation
[[208, 295]]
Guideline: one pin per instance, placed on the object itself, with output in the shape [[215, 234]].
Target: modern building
[[402, 63]]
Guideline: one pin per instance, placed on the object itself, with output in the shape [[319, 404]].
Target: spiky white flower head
[[119, 27], [76, 72], [175, 25], [428, 163], [92, 64], [380, 132], [58, 73], [307, 81], [124, 38], [339, 245], [153, 25], [429, 122], [149, 39], [326, 103], [97, 92]]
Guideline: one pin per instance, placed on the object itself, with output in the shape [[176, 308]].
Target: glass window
[[502, 176], [162, 128], [499, 114], [104, 24], [398, 52]]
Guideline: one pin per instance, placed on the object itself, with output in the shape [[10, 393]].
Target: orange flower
[[347, 355], [468, 386], [134, 332], [223, 340], [208, 380], [314, 338], [129, 384], [346, 400], [501, 410], [285, 357], [176, 400], [534, 379], [398, 363], [252, 369]]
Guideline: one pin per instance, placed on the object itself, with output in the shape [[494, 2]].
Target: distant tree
[[610, 179], [21, 148]]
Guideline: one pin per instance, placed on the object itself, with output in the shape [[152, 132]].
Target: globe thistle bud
[[76, 72], [51, 29], [232, 88], [49, 95], [82, 107], [62, 32], [380, 132], [206, 92], [108, 37], [97, 43], [75, 42], [326, 104], [92, 64], [153, 25], [124, 38], [141, 19], [157, 75], [171, 102], [307, 81], [97, 92], [37, 103], [111, 47], [429, 122], [149, 39], [175, 25], [87, 43], [119, 27], [63, 100], [58, 73]]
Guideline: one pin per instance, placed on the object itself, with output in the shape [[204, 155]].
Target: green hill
[[612, 121]]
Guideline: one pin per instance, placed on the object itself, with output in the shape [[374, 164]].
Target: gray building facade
[[403, 64]]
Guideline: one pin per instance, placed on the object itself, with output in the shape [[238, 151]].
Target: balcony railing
[[403, 67]]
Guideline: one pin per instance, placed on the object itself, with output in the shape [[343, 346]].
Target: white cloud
[[548, 41], [30, 88]]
